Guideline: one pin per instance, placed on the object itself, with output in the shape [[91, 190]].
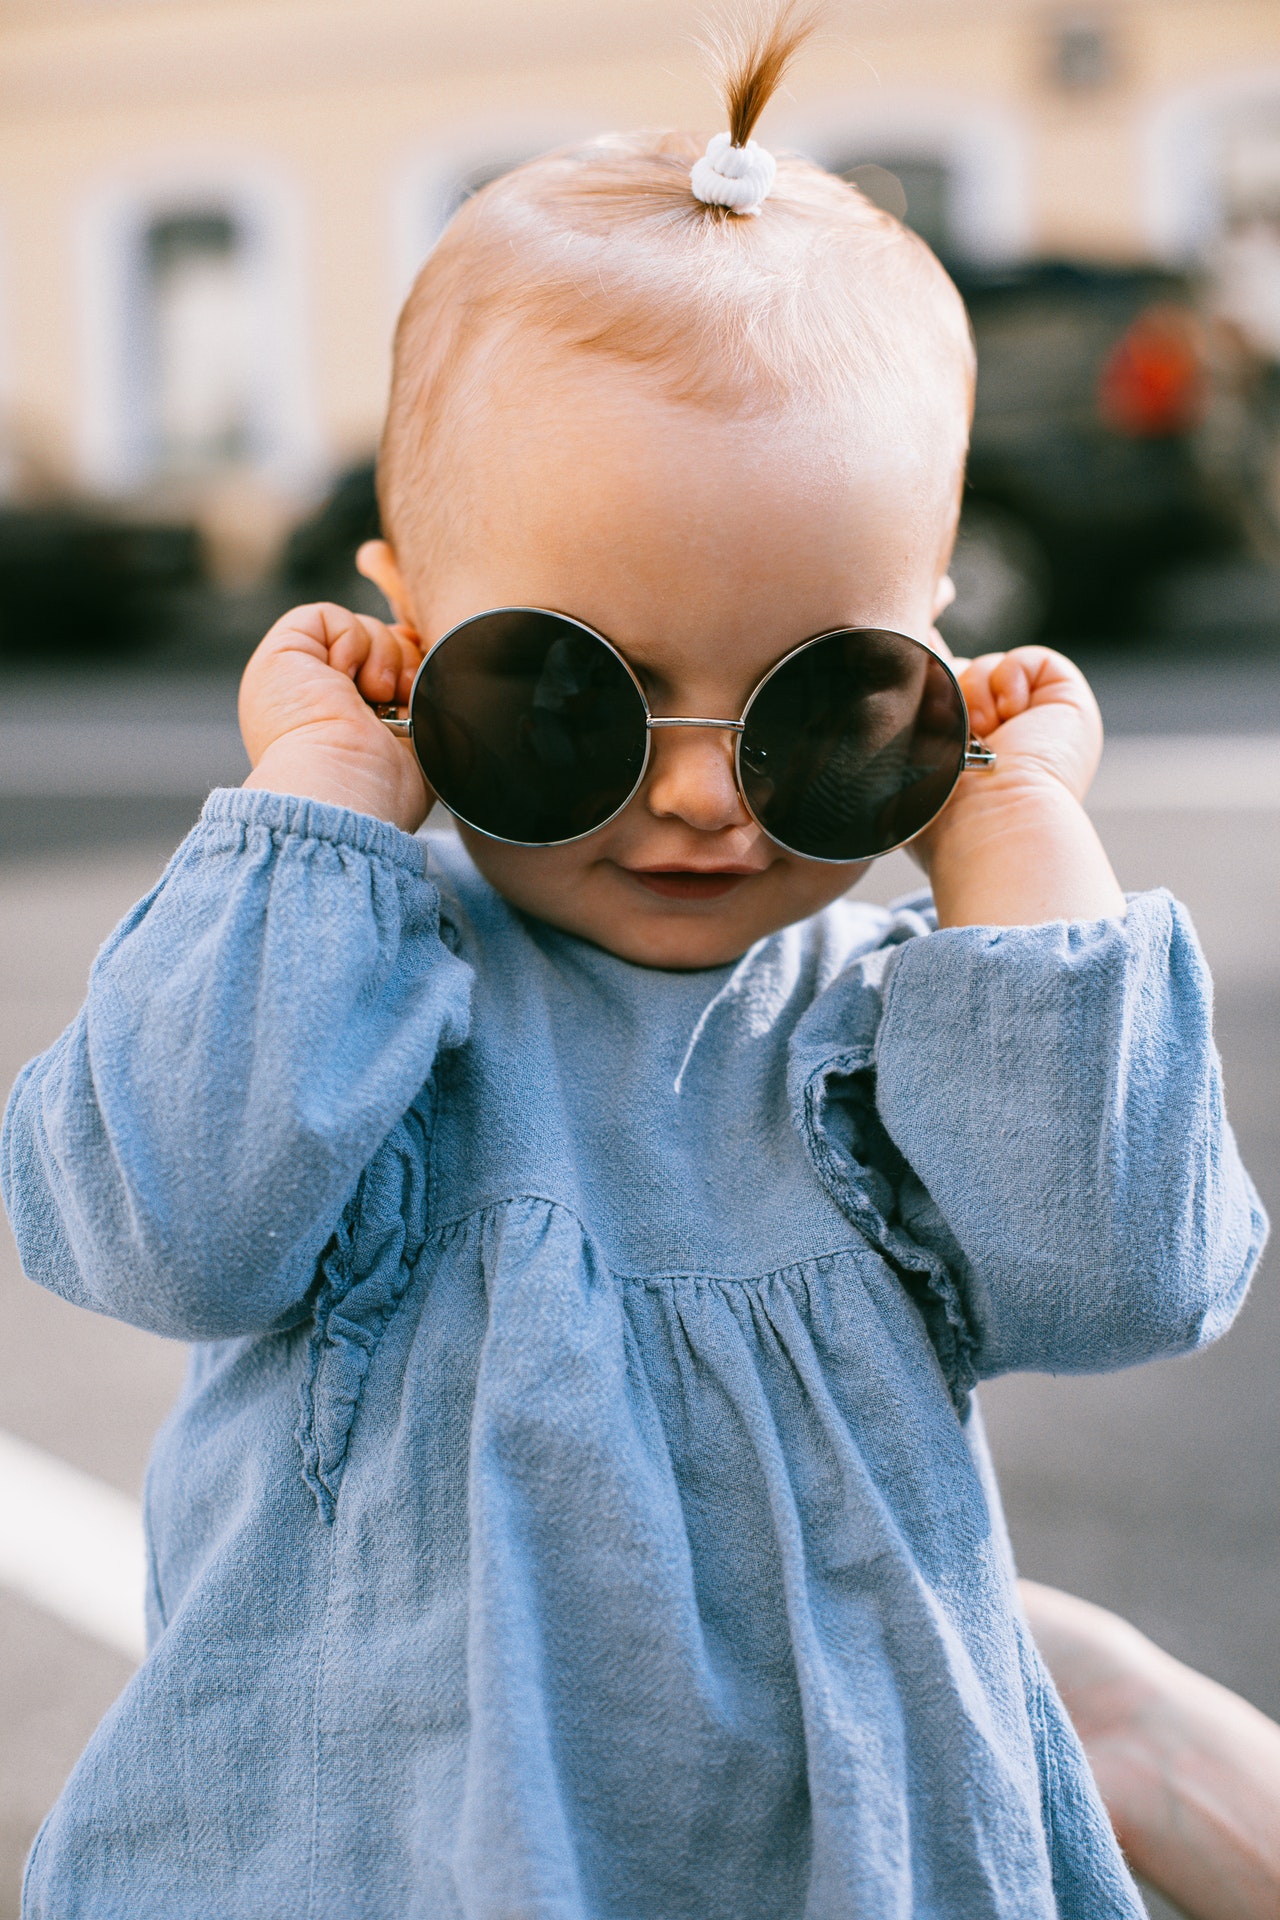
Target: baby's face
[[705, 547]]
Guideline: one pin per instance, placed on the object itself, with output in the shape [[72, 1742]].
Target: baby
[[591, 1224]]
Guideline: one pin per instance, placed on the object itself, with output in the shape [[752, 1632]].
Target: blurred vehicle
[[76, 579], [1240, 437], [1085, 474], [1085, 479]]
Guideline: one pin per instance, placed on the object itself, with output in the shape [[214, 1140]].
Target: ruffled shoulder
[[831, 1080]]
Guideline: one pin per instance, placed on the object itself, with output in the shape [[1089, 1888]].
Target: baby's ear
[[376, 560], [942, 599]]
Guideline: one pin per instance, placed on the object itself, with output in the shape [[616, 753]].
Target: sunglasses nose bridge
[[735, 727], [686, 786]]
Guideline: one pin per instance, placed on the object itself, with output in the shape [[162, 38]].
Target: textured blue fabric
[[576, 1509]]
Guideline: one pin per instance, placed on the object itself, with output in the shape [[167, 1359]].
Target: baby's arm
[[253, 1031], [1190, 1773], [1045, 1064]]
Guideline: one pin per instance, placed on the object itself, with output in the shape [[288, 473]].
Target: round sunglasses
[[532, 728]]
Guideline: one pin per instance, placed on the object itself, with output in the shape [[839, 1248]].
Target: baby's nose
[[691, 778]]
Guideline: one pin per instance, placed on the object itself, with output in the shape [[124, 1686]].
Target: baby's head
[[705, 434]]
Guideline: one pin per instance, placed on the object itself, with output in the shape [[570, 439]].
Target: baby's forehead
[[574, 453], [691, 538]]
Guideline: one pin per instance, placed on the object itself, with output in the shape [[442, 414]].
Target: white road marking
[[71, 1545], [1188, 773]]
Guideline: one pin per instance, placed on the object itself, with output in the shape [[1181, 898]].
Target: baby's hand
[[1014, 847], [1035, 710], [306, 719]]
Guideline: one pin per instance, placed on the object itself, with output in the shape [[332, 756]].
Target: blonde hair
[[603, 250]]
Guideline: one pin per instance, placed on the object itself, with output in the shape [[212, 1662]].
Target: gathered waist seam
[[443, 1230]]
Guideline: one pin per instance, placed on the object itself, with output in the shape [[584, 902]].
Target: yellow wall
[[338, 96]]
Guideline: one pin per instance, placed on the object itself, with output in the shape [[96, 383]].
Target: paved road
[[1156, 1492]]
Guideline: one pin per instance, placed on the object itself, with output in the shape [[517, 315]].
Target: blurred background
[[209, 213]]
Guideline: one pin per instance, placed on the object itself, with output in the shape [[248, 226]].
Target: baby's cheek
[[810, 885], [539, 880]]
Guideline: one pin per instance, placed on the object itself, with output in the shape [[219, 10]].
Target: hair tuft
[[750, 54]]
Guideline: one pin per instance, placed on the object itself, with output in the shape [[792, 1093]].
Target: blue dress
[[576, 1508]]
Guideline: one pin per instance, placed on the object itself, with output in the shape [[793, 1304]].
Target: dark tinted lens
[[853, 745], [528, 726]]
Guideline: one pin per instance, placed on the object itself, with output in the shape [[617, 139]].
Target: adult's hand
[[1189, 1772]]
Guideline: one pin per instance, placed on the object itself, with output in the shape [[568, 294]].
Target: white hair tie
[[735, 177]]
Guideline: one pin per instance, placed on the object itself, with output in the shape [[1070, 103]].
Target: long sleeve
[[1057, 1094], [253, 1030]]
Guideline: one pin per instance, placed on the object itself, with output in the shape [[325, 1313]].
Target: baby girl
[[590, 1223]]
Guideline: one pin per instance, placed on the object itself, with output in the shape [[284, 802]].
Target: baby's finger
[[365, 651], [350, 640], [1010, 682], [975, 684], [309, 630], [410, 661], [1037, 676], [379, 676]]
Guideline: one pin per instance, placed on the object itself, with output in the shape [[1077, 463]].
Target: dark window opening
[[199, 346], [1081, 55]]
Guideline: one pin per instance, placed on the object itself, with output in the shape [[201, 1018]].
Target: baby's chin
[[673, 921], [670, 943]]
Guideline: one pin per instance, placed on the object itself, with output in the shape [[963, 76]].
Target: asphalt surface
[[1155, 1492]]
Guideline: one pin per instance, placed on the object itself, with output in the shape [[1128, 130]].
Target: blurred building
[[210, 209]]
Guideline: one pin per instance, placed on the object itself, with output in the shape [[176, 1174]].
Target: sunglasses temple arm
[[402, 727], [978, 755]]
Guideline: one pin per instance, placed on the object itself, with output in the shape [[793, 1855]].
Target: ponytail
[[750, 59]]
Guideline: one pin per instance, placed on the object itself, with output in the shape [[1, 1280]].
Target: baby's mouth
[[685, 883]]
